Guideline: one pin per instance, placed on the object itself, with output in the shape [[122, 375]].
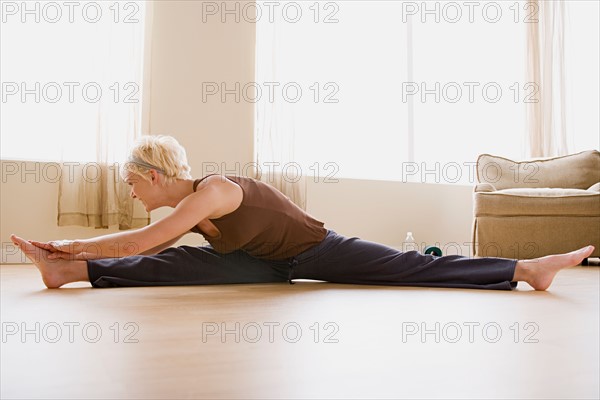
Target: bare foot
[[539, 272], [54, 271]]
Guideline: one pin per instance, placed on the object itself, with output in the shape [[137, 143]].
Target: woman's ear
[[154, 176]]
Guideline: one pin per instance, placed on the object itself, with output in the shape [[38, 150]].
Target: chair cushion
[[543, 201], [545, 192], [578, 171]]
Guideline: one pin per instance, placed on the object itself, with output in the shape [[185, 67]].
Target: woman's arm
[[212, 200]]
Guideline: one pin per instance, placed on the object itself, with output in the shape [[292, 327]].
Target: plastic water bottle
[[409, 243]]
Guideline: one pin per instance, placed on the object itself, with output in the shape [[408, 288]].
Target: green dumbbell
[[436, 251]]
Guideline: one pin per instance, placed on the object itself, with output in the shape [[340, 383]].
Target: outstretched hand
[[65, 249]]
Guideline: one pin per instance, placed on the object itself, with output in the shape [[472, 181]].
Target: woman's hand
[[67, 249]]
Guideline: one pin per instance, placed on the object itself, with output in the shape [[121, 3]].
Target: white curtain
[[275, 145], [547, 118], [92, 193]]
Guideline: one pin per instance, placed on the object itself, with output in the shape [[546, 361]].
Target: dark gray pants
[[336, 259]]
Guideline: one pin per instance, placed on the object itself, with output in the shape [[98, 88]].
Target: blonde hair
[[160, 152]]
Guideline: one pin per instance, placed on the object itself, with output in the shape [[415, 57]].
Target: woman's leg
[[184, 265], [352, 260]]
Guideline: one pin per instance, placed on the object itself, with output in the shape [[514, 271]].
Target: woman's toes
[[38, 256], [581, 254], [32, 252], [19, 242]]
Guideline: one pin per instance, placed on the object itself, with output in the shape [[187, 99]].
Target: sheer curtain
[[547, 118], [92, 193], [275, 141]]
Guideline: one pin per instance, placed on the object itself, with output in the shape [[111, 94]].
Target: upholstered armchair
[[534, 208]]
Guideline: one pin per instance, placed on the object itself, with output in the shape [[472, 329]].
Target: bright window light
[[59, 66]]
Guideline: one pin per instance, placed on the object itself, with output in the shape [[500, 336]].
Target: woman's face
[[142, 190]]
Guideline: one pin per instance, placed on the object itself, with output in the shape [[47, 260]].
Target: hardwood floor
[[308, 340]]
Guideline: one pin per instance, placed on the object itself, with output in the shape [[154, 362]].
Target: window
[[582, 50], [63, 65]]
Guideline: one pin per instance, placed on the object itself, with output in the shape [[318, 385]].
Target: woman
[[256, 234]]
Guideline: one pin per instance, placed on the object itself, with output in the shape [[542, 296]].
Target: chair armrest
[[595, 187], [484, 187]]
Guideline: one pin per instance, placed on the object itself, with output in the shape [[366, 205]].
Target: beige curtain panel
[[94, 195]]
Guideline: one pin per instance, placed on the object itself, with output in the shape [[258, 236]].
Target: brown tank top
[[267, 224]]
